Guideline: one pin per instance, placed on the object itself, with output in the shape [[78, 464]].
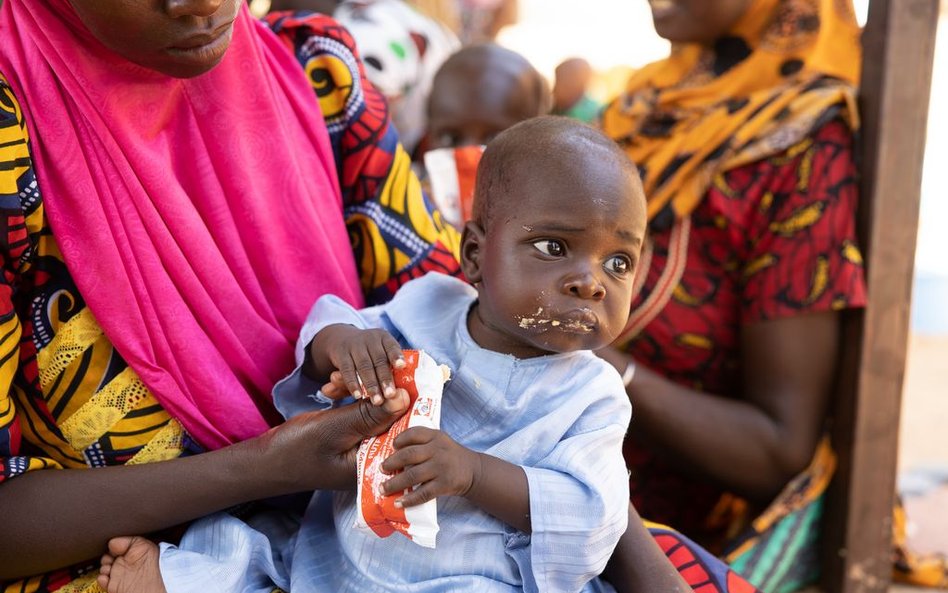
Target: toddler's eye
[[551, 248], [619, 265]]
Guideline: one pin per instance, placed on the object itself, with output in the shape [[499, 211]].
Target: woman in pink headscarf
[[178, 184], [175, 196]]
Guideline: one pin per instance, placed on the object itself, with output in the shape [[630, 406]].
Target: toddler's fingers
[[365, 366], [415, 455], [412, 476], [420, 495], [336, 379], [397, 404], [383, 371], [350, 377], [416, 435]]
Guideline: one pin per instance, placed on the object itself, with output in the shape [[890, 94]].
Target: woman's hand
[[317, 450], [432, 462], [362, 358], [83, 509]]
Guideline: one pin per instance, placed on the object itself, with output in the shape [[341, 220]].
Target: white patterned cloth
[[401, 50], [561, 417]]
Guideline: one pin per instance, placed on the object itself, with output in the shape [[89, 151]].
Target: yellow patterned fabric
[[911, 567], [760, 90]]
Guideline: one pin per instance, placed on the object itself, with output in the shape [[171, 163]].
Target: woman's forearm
[[755, 443], [729, 441], [55, 518]]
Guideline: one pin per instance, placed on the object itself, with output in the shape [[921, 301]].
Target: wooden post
[[899, 42]]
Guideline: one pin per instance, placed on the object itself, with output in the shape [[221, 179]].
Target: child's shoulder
[[428, 310], [596, 370], [434, 289], [586, 386]]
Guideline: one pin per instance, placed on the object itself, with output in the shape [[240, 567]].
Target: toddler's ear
[[472, 248]]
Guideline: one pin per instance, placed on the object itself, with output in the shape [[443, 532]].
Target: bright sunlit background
[[608, 33]]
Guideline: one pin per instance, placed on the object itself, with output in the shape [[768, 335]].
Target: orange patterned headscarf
[[785, 67]]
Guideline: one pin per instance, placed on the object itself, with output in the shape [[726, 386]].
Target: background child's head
[[558, 224], [569, 86], [480, 91]]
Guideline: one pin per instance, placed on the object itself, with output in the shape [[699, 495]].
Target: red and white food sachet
[[451, 174], [424, 380]]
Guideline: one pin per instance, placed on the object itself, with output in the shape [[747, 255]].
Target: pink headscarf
[[199, 218]]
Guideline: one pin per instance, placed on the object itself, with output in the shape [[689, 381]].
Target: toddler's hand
[[364, 358], [396, 404], [435, 463]]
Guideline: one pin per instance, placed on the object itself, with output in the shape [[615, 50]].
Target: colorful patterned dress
[[772, 239], [745, 149]]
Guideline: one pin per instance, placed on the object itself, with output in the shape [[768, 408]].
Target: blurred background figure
[[472, 20], [479, 92], [400, 47], [744, 137], [261, 7], [402, 50], [571, 91]]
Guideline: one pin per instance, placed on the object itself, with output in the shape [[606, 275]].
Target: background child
[[527, 466], [480, 91], [571, 91]]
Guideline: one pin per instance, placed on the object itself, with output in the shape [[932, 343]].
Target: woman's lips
[[663, 8], [204, 47]]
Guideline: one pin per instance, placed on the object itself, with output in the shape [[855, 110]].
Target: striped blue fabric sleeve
[[578, 508]]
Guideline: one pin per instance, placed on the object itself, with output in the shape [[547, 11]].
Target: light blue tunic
[[561, 417]]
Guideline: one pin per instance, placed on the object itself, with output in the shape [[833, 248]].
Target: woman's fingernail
[[399, 504], [389, 389], [400, 363], [377, 400]]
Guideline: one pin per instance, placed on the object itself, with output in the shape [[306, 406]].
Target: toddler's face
[[555, 268]]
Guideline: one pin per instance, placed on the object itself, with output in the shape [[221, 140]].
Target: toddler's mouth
[[579, 321]]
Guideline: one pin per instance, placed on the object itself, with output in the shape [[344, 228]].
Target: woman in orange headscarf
[[744, 139]]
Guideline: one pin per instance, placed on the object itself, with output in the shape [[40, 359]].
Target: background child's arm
[[440, 466]]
